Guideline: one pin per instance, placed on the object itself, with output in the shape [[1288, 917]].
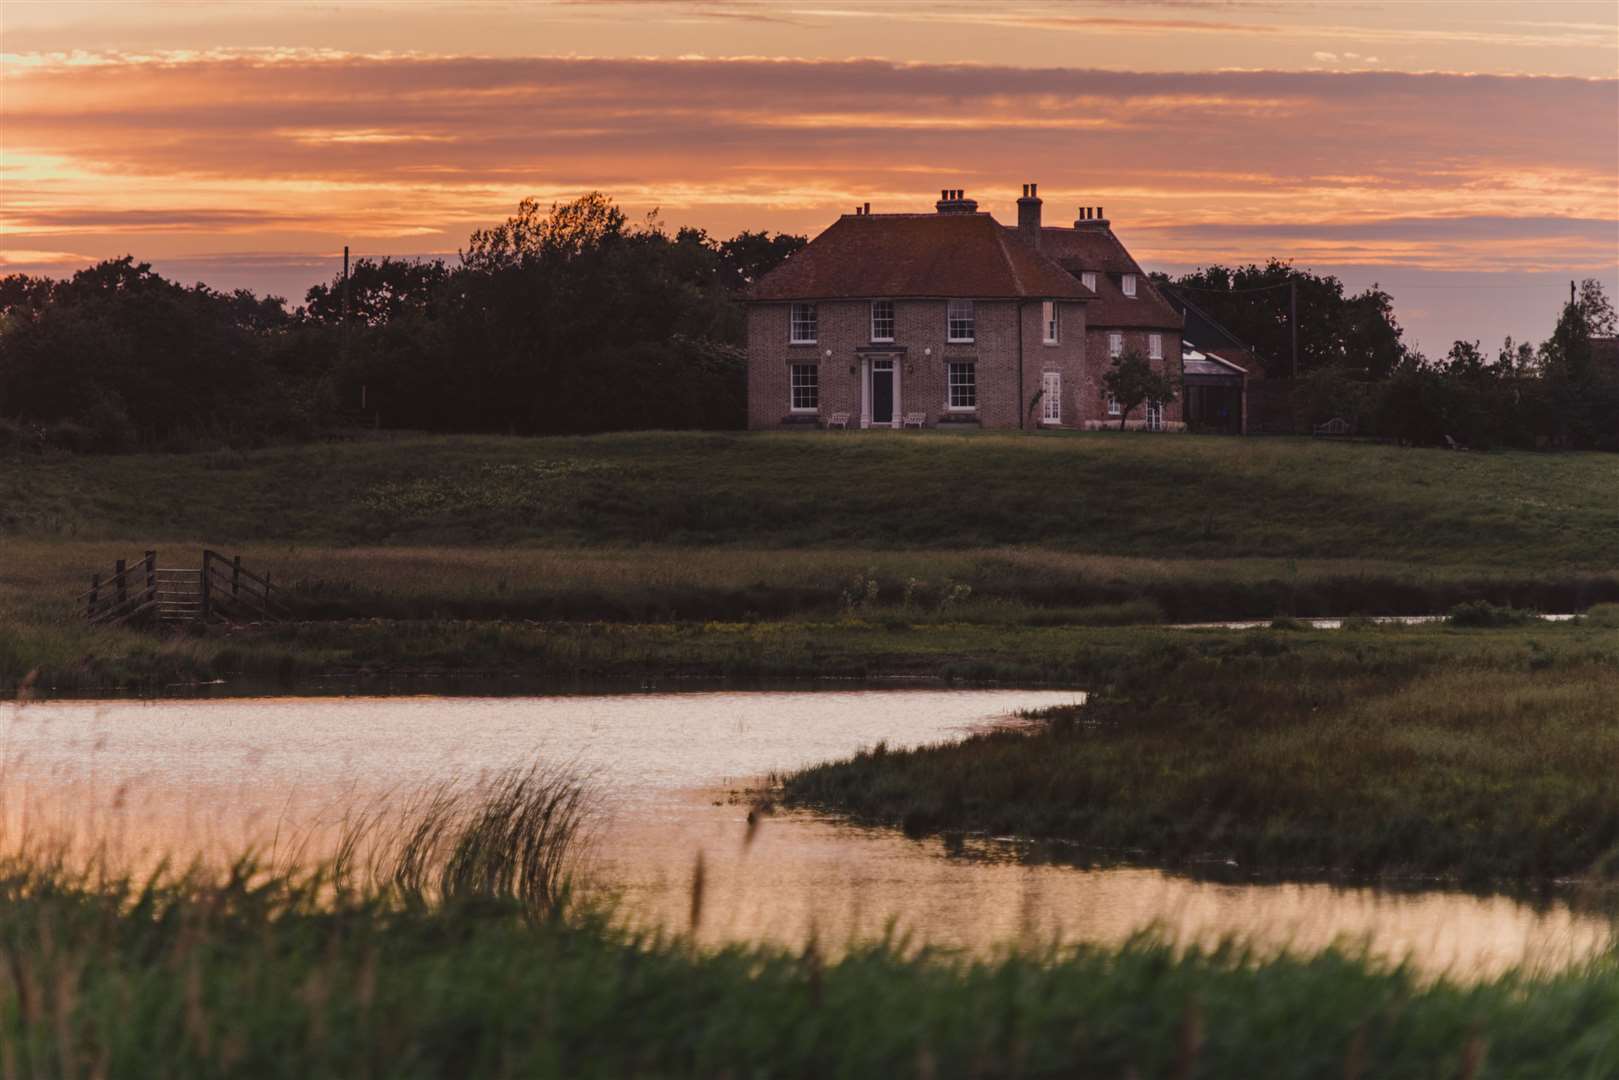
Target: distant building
[[951, 318], [1215, 368]]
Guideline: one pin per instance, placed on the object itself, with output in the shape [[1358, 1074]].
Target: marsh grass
[[1486, 756], [418, 951]]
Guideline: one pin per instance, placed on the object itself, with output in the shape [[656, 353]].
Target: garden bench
[[838, 420], [1336, 426], [915, 420]]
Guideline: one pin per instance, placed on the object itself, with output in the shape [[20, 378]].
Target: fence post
[[151, 576], [235, 575], [202, 588], [95, 586], [123, 589]]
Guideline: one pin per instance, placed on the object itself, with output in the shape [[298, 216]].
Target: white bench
[[838, 420], [915, 420]]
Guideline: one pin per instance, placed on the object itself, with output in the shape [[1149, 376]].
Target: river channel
[[207, 777]]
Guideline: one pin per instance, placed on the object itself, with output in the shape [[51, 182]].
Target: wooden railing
[[233, 591], [221, 590], [127, 591]]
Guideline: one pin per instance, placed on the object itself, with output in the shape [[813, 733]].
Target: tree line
[[572, 319], [1353, 363], [566, 320]]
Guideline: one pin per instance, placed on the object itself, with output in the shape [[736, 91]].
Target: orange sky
[[1466, 155]]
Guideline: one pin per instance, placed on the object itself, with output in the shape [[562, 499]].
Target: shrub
[[1482, 613], [1605, 615]]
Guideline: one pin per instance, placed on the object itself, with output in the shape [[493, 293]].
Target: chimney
[[866, 209], [1090, 217], [955, 201], [1028, 215]]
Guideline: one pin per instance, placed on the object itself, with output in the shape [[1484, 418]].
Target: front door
[[882, 392]]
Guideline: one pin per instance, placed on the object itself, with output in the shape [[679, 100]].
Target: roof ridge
[[1180, 295], [1006, 256]]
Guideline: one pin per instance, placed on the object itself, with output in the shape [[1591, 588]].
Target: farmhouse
[[951, 318]]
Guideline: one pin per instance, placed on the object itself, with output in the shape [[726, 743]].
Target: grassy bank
[[935, 531], [73, 657], [435, 958], [1481, 754], [1184, 497]]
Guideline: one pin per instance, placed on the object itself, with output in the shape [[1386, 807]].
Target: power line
[[1227, 292]]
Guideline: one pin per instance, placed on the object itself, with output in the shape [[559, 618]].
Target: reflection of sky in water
[[213, 776]]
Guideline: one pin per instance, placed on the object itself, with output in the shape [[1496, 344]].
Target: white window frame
[[1128, 284], [967, 400], [1115, 346], [889, 318], [1113, 405], [1048, 319], [960, 312], [1051, 397], [1088, 279], [812, 384], [802, 318], [1155, 346], [1155, 416]]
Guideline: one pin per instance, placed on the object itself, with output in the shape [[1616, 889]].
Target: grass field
[[427, 953], [1487, 755], [925, 530], [1181, 497]]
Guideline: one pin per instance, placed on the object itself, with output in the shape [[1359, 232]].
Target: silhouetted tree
[[1357, 334]]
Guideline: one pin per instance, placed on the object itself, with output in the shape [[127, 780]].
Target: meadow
[[1110, 494], [477, 539], [454, 940]]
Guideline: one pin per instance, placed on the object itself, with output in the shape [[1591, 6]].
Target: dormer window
[[801, 330], [1088, 279], [882, 320], [1129, 285], [960, 323]]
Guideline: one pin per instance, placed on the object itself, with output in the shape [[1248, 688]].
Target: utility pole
[[345, 301], [1293, 319]]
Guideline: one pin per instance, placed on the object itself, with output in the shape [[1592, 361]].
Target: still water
[[210, 776]]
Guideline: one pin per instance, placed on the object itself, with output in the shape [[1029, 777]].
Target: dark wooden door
[[882, 393]]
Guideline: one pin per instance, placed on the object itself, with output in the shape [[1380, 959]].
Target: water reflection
[[210, 776]]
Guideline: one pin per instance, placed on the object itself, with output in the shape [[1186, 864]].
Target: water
[[211, 776], [1336, 623]]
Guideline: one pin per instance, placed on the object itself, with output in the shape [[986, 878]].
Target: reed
[[241, 972]]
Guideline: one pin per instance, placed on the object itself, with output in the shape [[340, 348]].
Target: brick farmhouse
[[951, 318]]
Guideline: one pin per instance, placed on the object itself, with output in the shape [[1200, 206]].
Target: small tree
[[1131, 380]]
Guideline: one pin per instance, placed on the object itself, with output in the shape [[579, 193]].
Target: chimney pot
[[866, 209], [1099, 212]]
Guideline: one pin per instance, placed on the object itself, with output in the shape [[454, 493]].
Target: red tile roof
[[918, 255], [1093, 247]]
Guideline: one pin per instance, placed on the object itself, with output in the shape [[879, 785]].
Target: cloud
[[174, 154]]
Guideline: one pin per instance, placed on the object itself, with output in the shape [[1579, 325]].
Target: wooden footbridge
[[141, 591]]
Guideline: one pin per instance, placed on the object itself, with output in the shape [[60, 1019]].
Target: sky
[[1463, 155]]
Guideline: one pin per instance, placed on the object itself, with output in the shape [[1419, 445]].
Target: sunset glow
[[1423, 145]]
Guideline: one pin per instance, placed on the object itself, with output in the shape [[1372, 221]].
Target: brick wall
[[1096, 393], [843, 326]]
